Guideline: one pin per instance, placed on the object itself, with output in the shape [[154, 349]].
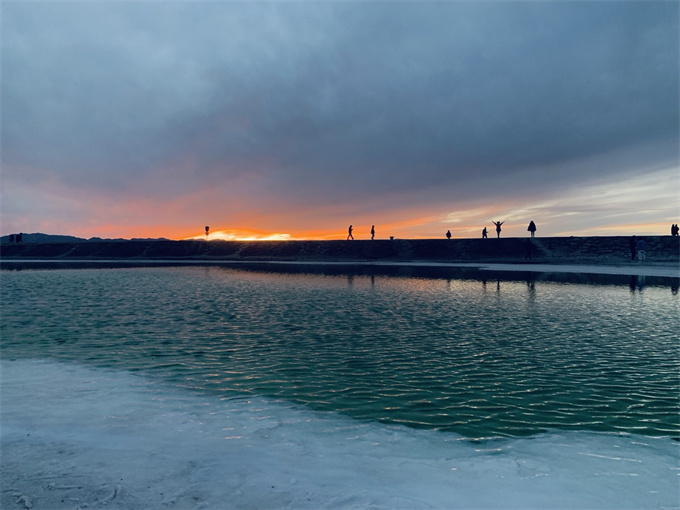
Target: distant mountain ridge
[[39, 237], [45, 238]]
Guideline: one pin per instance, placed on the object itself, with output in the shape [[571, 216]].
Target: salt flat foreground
[[76, 438]]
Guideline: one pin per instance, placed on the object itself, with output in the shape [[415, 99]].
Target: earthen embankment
[[556, 250]]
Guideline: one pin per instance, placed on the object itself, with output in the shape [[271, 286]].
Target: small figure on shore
[[674, 229], [532, 228], [527, 254], [498, 227], [372, 232], [633, 248], [19, 238], [641, 250], [207, 229], [11, 238], [484, 236], [349, 233], [448, 234]]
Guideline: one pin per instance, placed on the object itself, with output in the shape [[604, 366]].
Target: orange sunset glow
[[294, 121]]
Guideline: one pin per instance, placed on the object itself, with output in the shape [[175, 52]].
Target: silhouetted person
[[675, 229], [633, 248], [448, 234], [641, 250], [532, 228], [498, 227], [372, 232], [349, 233], [11, 238], [207, 229], [484, 236], [527, 254], [19, 238]]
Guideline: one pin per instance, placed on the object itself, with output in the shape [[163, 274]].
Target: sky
[[293, 120]]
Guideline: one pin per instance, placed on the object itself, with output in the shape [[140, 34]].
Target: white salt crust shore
[[639, 270], [664, 271], [76, 438]]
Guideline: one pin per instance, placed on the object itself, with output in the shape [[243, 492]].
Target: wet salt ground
[[76, 437]]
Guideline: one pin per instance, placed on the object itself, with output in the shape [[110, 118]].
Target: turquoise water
[[472, 353]]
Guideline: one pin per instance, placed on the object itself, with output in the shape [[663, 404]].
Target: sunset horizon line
[[362, 232]]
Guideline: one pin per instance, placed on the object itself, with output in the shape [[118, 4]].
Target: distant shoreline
[[663, 252], [656, 270]]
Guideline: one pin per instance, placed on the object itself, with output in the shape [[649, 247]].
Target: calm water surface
[[469, 353]]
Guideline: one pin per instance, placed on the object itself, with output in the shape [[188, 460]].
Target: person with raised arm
[[498, 227]]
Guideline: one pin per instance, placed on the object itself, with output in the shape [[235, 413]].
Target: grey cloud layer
[[320, 100]]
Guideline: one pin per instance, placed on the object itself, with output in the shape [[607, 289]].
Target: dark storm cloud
[[321, 100]]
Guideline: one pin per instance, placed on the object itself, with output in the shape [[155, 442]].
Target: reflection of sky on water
[[463, 350], [351, 271]]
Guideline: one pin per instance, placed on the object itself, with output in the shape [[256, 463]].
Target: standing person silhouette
[[641, 250], [349, 233], [633, 248], [532, 228], [448, 234], [498, 227], [484, 236], [372, 232]]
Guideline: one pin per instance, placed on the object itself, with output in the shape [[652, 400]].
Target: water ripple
[[460, 355]]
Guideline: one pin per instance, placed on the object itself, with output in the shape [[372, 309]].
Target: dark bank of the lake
[[553, 250]]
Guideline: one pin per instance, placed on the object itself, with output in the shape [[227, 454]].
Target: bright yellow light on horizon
[[240, 235]]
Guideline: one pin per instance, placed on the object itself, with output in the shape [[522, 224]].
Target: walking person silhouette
[[372, 232], [349, 234]]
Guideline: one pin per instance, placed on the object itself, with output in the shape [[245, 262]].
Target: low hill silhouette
[[38, 237]]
